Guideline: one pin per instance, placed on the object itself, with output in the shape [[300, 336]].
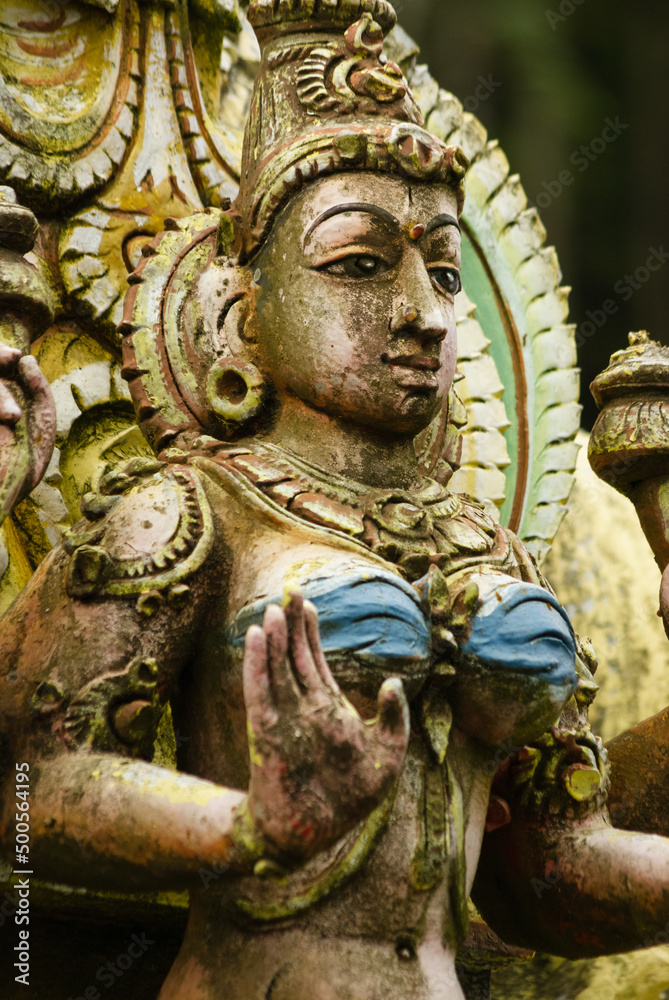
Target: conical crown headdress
[[327, 100]]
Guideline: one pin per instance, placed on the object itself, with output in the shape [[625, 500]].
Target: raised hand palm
[[316, 767]]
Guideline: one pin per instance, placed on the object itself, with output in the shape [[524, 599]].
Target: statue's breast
[[373, 625]]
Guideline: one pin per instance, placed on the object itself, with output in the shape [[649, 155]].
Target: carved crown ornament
[[328, 100], [347, 79]]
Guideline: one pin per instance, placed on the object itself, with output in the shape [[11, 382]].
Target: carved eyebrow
[[366, 207], [439, 221]]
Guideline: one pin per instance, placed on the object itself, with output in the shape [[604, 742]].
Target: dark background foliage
[[554, 72]]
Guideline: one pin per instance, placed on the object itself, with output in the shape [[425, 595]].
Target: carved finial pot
[[629, 444]]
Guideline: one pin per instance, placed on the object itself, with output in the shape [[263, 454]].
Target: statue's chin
[[420, 410], [404, 418], [411, 418]]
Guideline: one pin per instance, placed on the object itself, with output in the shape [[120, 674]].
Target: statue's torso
[[388, 901], [386, 904]]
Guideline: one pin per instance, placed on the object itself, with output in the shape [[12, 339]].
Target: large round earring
[[235, 392]]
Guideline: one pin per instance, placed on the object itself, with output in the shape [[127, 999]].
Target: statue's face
[[356, 314]]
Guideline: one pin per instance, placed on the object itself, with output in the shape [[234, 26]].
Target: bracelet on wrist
[[249, 846]]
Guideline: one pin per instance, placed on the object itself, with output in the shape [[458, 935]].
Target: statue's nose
[[419, 312], [411, 319]]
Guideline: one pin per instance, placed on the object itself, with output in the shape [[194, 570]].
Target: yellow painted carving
[[19, 570], [57, 86]]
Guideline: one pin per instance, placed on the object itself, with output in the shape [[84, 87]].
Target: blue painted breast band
[[522, 627], [370, 615]]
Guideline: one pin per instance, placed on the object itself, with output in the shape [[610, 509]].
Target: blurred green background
[[544, 76]]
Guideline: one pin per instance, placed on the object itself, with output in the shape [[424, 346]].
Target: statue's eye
[[364, 265], [358, 266], [448, 279]]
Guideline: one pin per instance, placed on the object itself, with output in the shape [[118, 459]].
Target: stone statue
[[346, 641]]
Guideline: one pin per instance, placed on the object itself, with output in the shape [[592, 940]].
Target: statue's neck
[[367, 455]]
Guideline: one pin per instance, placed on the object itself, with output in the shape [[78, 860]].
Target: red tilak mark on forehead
[[416, 232]]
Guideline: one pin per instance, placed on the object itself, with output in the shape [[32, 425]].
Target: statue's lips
[[419, 362], [414, 371]]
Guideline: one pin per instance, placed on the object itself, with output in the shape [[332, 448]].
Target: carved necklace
[[413, 529]]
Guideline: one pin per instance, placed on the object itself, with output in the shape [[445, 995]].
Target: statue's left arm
[[574, 889], [554, 874], [628, 449]]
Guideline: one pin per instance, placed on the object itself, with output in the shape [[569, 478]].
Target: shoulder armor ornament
[[146, 531]]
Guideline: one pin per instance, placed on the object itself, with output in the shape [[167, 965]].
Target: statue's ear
[[251, 327], [188, 331], [241, 324], [232, 321], [227, 297], [235, 391]]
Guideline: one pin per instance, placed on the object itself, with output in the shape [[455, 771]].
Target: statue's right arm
[[100, 818]]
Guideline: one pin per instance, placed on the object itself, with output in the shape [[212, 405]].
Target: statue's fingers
[[10, 411], [314, 640], [299, 649], [34, 382], [283, 683], [258, 698], [42, 414], [9, 359], [393, 723]]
